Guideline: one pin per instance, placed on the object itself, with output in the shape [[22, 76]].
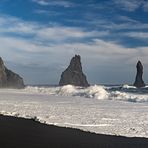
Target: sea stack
[[139, 81], [73, 74], [9, 79]]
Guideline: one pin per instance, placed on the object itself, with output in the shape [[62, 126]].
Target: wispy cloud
[[138, 35], [48, 12], [32, 38], [55, 40], [41, 2], [145, 6], [40, 32], [62, 3], [121, 23], [131, 5], [124, 19]]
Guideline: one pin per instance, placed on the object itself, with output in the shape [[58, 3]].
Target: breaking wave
[[119, 93], [95, 91]]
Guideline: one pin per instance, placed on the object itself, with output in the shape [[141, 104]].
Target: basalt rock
[[9, 79], [73, 74], [139, 81]]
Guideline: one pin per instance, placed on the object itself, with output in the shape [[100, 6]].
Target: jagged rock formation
[[73, 74], [9, 78], [139, 81]]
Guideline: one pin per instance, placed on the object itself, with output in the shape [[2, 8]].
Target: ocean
[[104, 92], [114, 110]]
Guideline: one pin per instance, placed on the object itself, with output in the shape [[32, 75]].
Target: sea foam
[[122, 93]]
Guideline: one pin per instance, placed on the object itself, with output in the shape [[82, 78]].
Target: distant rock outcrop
[[73, 74], [139, 81], [9, 78]]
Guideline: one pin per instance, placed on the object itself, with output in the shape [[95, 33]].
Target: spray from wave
[[120, 93]]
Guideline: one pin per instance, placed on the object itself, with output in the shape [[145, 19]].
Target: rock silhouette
[[139, 81], [9, 78], [73, 74]]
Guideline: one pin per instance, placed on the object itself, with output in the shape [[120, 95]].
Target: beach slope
[[27, 133]]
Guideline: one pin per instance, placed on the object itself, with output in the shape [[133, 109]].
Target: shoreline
[[27, 133]]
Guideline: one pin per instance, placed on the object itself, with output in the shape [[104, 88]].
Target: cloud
[[123, 18], [61, 33], [138, 35], [41, 2], [145, 6], [128, 5], [48, 12], [122, 23], [41, 46], [61, 3], [118, 22], [24, 51], [131, 5], [46, 33], [21, 38], [58, 39]]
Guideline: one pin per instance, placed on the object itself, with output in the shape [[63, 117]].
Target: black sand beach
[[27, 133]]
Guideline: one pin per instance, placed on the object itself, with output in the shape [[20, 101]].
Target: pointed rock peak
[[139, 62], [73, 74], [139, 80], [75, 63], [77, 57], [139, 65]]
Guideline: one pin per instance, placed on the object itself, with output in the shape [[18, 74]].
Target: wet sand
[[28, 133]]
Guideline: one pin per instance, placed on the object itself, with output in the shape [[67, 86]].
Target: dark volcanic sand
[[26, 133]]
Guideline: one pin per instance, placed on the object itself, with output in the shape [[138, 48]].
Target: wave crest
[[95, 91], [125, 93]]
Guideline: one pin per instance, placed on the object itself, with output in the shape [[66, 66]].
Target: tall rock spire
[[139, 81], [73, 74]]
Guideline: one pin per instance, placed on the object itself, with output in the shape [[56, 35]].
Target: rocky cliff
[[8, 78], [73, 74], [139, 81]]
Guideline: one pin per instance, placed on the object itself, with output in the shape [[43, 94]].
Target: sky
[[39, 37]]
